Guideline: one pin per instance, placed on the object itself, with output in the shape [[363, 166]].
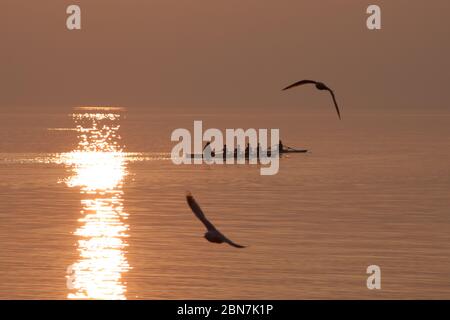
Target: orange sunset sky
[[215, 54]]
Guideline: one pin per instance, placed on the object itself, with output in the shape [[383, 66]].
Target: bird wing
[[335, 102], [299, 83], [198, 212], [231, 243]]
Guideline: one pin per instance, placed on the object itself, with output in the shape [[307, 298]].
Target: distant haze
[[224, 54]]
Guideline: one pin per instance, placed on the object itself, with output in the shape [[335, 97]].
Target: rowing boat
[[200, 156]]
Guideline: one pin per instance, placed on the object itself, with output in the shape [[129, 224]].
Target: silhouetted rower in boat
[[224, 151], [207, 151], [280, 147], [247, 151]]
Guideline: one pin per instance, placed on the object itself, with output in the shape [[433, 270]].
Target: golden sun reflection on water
[[98, 165]]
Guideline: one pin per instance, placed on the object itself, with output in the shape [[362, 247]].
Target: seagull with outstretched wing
[[319, 86], [212, 235]]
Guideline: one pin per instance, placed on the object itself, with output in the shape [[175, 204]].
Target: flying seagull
[[319, 86], [212, 235]]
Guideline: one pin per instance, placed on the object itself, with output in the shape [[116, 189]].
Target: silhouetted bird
[[319, 86], [212, 235]]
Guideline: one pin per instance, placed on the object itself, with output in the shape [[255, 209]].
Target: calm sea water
[[92, 207]]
